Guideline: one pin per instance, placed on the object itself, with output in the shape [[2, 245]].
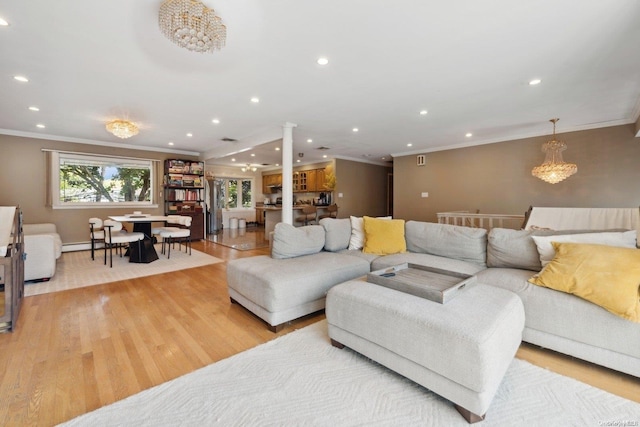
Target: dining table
[[142, 224]]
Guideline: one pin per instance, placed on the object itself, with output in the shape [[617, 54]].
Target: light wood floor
[[78, 350]]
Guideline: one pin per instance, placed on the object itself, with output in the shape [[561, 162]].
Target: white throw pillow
[[357, 232], [623, 239]]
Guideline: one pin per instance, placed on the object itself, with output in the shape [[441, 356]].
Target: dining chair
[[332, 211], [114, 235], [171, 219], [308, 214], [96, 232], [171, 235]]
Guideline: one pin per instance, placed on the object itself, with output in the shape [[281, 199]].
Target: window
[[237, 193], [82, 180]]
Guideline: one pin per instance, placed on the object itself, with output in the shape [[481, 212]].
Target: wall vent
[[228, 139], [420, 160]]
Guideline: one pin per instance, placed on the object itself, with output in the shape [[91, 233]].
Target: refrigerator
[[214, 199]]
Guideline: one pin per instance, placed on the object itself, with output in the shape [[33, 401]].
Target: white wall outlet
[[424, 194], [340, 195]]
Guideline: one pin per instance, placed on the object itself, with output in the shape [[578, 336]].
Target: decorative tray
[[431, 283]]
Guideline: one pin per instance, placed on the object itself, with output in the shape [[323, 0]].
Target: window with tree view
[[238, 193], [104, 181]]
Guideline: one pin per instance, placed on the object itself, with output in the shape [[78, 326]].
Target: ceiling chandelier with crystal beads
[[554, 169], [122, 128], [192, 25]]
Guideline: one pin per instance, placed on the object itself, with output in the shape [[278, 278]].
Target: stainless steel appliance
[[214, 199]]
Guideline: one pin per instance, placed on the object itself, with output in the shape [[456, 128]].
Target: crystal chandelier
[[122, 128], [192, 25], [554, 169]]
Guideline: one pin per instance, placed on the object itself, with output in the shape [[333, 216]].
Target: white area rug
[[76, 269], [301, 380]]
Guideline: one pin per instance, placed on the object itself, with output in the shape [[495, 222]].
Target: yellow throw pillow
[[604, 275], [383, 236]]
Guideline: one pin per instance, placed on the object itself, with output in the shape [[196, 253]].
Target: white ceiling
[[467, 62]]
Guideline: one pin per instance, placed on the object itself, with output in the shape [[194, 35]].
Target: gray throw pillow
[[451, 241], [291, 242], [337, 233]]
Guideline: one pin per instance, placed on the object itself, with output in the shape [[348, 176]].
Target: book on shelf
[[197, 168]]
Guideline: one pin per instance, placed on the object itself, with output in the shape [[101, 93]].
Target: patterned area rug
[[76, 269], [300, 379]]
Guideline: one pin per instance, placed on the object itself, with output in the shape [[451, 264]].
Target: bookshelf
[[184, 192]]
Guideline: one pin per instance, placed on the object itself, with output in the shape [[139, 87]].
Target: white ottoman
[[459, 350]]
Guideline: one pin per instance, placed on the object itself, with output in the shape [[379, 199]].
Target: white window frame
[[226, 189], [56, 203]]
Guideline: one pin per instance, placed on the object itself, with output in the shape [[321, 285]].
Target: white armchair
[[42, 247]]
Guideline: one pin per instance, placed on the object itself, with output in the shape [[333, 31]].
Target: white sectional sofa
[[42, 247], [501, 258]]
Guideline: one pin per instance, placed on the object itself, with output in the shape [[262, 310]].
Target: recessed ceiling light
[[189, 134], [255, 99], [215, 121], [409, 145], [322, 61], [34, 108], [355, 129], [40, 125], [423, 112], [22, 79], [309, 140], [233, 160], [253, 154], [277, 148], [298, 161], [170, 143], [277, 164], [468, 135], [3, 23], [535, 82], [324, 156]]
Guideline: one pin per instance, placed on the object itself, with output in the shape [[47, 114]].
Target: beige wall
[[23, 178], [496, 178], [363, 187]]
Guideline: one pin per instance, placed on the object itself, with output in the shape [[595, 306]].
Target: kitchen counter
[[273, 215]]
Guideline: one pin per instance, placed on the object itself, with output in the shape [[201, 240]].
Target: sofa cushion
[[624, 239], [290, 242], [566, 316], [337, 233], [278, 285], [604, 275], [452, 241], [384, 236]]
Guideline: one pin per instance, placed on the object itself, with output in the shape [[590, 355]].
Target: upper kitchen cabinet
[[304, 181], [271, 182]]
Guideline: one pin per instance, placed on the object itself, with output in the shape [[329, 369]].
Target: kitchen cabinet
[[320, 178], [268, 181], [304, 181]]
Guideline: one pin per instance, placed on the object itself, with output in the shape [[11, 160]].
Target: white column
[[287, 172]]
